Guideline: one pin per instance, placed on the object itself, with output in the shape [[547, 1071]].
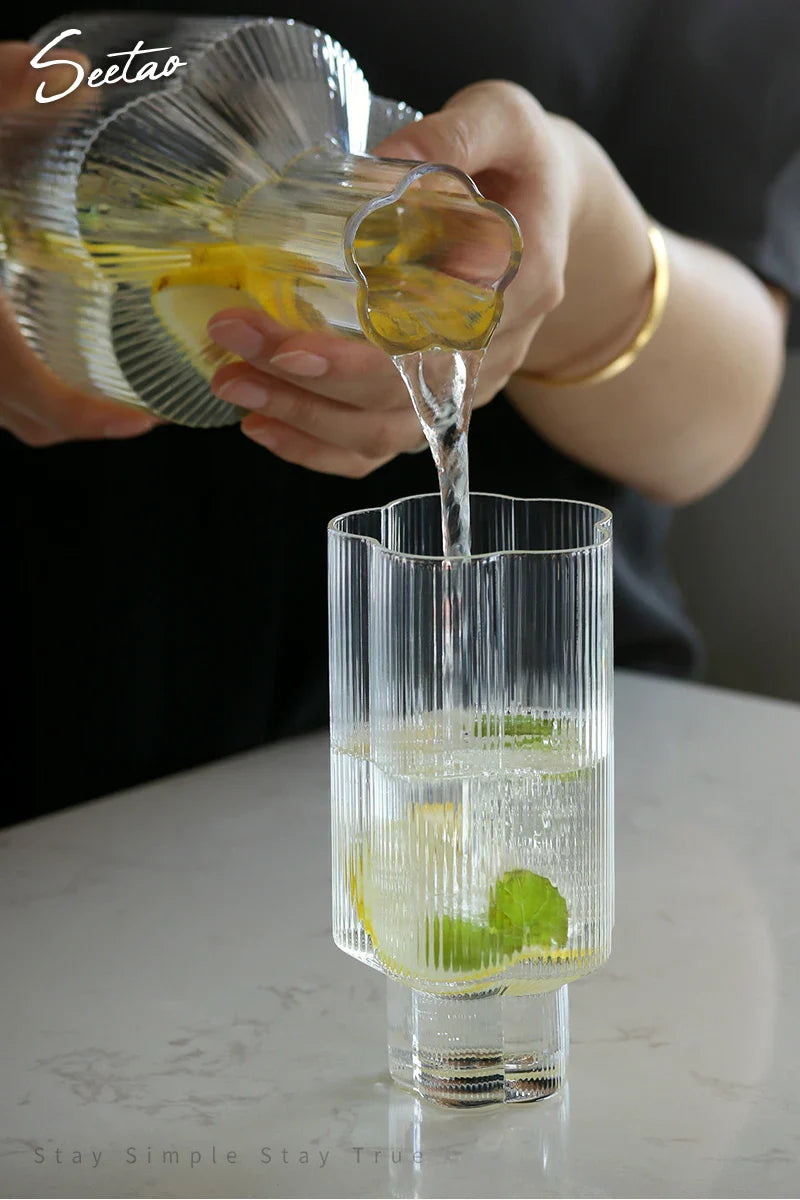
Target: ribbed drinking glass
[[472, 790]]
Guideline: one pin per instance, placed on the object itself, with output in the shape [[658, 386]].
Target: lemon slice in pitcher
[[394, 889], [269, 280], [185, 310]]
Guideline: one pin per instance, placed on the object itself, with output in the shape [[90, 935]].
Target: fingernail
[[264, 435], [122, 427], [236, 336], [300, 362], [244, 393], [57, 81], [403, 152]]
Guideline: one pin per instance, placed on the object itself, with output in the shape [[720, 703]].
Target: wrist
[[608, 273]]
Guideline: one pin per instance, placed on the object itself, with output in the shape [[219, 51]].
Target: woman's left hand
[[338, 405]]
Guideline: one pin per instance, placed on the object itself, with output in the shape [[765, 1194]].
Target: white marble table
[[169, 982]]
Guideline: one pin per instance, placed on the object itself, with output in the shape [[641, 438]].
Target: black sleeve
[[706, 129]]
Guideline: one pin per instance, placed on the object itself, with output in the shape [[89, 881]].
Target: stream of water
[[441, 384]]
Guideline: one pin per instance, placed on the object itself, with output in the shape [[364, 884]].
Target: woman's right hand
[[35, 405]]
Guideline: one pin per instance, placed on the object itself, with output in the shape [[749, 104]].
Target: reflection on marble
[[430, 1147], [176, 1020]]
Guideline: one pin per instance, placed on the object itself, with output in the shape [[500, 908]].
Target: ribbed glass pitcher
[[132, 212]]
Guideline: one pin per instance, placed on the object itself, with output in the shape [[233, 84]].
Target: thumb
[[19, 81], [30, 391], [479, 129], [17, 76]]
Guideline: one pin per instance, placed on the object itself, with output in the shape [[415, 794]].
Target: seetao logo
[[130, 71]]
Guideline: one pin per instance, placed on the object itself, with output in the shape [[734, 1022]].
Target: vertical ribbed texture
[[471, 710], [133, 214], [478, 692], [284, 87], [489, 1048], [67, 309], [99, 202]]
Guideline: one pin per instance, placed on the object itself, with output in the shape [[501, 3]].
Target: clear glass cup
[[471, 779], [131, 213]]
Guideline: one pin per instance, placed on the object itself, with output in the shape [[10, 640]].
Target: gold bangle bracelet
[[635, 347]]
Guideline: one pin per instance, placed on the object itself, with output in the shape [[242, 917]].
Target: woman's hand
[[339, 406], [34, 405], [673, 425]]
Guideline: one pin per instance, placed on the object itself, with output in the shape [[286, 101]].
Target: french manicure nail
[[300, 362], [265, 436], [59, 79], [244, 393], [122, 427], [236, 336]]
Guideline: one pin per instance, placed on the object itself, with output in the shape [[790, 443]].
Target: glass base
[[486, 1048]]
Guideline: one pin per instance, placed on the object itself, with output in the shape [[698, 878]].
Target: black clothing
[[164, 600]]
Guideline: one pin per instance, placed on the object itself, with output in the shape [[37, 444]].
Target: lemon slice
[[231, 276], [393, 884], [185, 309]]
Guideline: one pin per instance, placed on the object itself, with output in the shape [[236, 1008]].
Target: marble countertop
[[169, 988]]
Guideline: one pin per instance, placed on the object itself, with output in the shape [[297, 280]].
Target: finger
[[373, 434], [27, 430], [122, 423], [380, 389], [501, 136], [20, 81], [17, 88], [304, 450], [341, 368], [478, 129], [30, 390], [35, 433]]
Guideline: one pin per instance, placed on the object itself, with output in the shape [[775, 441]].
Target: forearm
[[692, 406]]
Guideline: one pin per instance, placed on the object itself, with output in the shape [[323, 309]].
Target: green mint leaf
[[524, 910], [461, 945], [521, 731], [527, 908]]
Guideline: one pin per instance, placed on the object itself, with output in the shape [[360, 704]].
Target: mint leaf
[[461, 945], [521, 731], [527, 909], [524, 910]]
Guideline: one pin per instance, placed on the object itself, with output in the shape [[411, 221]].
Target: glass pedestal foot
[[487, 1048]]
